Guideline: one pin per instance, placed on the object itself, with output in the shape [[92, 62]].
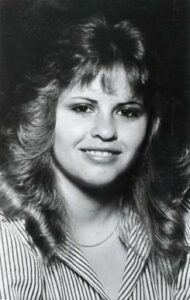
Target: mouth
[[102, 155]]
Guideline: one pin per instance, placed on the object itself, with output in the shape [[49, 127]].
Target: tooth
[[99, 153]]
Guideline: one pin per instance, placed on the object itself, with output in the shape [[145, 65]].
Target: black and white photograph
[[94, 150]]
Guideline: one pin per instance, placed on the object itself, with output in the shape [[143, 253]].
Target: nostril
[[104, 131]]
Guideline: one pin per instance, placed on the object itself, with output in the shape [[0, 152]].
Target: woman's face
[[98, 133]]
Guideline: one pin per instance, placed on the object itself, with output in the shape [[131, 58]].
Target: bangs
[[107, 76], [136, 77]]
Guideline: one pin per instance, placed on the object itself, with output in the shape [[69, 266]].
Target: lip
[[102, 149], [102, 155]]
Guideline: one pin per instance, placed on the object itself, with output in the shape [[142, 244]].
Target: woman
[[81, 217]]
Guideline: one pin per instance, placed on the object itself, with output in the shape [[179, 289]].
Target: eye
[[131, 112], [82, 108]]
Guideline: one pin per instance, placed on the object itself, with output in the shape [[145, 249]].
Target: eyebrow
[[136, 101], [85, 98]]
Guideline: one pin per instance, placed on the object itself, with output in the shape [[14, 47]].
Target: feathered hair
[[58, 54]]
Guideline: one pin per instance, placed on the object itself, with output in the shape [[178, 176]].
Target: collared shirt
[[25, 275]]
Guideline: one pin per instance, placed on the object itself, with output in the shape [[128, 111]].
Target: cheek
[[61, 135], [141, 134], [68, 134], [135, 134]]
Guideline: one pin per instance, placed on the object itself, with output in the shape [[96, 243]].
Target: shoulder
[[183, 281], [20, 271], [12, 231], [186, 207]]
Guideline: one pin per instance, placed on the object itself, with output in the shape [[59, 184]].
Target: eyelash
[[129, 112], [82, 109]]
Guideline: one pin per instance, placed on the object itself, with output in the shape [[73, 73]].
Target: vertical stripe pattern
[[24, 275]]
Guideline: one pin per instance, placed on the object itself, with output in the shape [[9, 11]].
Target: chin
[[99, 183]]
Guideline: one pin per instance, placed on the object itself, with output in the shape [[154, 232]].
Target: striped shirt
[[25, 275]]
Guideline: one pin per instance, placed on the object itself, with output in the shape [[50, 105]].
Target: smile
[[101, 155]]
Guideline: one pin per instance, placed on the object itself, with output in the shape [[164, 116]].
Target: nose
[[104, 128]]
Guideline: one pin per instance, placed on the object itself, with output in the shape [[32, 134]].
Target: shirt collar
[[72, 256], [131, 233]]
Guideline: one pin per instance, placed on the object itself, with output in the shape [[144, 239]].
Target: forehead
[[108, 84], [113, 81]]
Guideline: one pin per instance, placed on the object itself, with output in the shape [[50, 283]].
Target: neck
[[86, 206]]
